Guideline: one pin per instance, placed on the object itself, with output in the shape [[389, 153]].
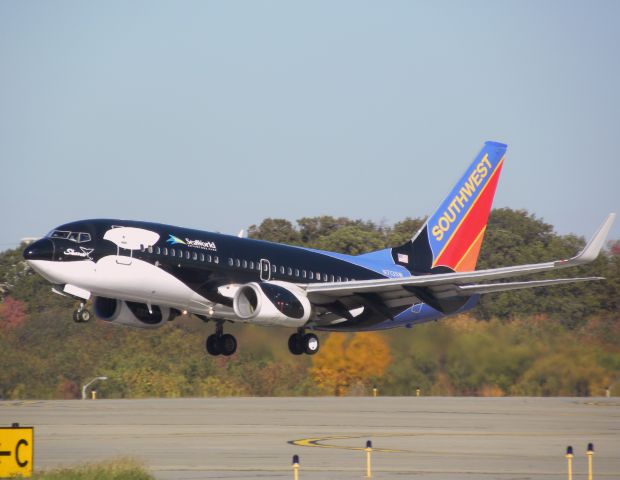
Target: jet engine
[[132, 314], [272, 303]]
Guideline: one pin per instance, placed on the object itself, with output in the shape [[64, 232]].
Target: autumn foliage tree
[[562, 340], [12, 314], [348, 362]]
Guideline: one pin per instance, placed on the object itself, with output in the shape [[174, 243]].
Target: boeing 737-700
[[143, 274]]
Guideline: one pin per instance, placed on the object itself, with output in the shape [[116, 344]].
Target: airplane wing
[[395, 292]]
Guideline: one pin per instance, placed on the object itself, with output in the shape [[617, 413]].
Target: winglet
[[593, 248]]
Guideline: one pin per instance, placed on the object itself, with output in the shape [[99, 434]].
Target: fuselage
[[192, 270]]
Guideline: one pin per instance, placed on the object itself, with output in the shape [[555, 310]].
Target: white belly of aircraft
[[139, 282]]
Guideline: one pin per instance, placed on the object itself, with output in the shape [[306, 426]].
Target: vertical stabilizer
[[451, 238]]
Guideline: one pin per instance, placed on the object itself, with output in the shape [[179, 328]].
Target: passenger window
[[303, 273], [237, 263], [150, 249], [289, 271], [195, 256], [245, 264], [165, 250], [346, 279], [251, 265], [331, 278], [172, 252], [325, 279], [297, 272], [216, 259], [209, 258], [202, 257], [311, 275], [282, 270], [274, 269], [231, 262], [157, 250], [318, 275], [187, 254], [338, 279]]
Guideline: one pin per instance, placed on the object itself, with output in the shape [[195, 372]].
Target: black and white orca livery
[[143, 274]]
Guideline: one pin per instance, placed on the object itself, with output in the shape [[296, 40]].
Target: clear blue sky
[[216, 115]]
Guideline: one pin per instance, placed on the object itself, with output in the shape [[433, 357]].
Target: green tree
[[275, 230]]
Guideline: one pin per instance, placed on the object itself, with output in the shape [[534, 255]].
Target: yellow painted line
[[323, 442], [320, 443]]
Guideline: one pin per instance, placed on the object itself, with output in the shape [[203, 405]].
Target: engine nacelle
[[272, 303], [132, 314]]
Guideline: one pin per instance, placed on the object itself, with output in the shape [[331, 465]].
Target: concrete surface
[[425, 437]]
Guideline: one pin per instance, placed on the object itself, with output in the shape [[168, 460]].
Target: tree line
[[551, 341]]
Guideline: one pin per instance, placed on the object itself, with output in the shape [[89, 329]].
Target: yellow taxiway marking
[[320, 443]]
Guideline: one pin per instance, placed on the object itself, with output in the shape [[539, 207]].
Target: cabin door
[[265, 270]]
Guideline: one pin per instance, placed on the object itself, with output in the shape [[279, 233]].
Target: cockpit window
[[59, 234], [77, 237]]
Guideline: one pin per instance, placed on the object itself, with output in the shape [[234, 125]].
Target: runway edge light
[[569, 459], [590, 453], [368, 451], [16, 451], [295, 467]]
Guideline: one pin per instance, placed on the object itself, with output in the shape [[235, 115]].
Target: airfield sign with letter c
[[16, 451]]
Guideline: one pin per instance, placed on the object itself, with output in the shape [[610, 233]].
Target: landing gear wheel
[[81, 316], [310, 343], [213, 345], [295, 344], [227, 344]]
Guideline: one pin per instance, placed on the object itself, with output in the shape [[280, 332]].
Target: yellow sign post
[[16, 451]]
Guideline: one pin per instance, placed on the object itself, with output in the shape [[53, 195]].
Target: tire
[[76, 316], [227, 344], [213, 345], [295, 344], [311, 343], [84, 315]]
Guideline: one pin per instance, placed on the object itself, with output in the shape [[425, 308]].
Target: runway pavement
[[426, 437]]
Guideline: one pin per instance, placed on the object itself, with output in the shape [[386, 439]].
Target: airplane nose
[[40, 250]]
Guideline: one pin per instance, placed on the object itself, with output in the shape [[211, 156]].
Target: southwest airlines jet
[[143, 274]]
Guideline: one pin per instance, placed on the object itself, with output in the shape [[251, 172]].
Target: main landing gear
[[221, 343], [301, 342], [81, 314]]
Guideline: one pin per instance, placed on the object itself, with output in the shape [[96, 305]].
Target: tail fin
[[451, 238]]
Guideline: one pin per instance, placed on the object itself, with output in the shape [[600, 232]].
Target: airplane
[[143, 274]]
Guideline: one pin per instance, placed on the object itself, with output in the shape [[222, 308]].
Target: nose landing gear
[[221, 343], [301, 342]]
